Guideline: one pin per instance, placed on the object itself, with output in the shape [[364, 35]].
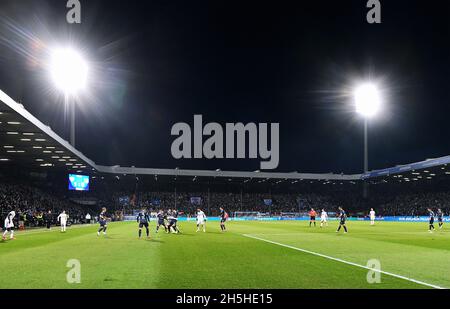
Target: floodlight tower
[[69, 72], [368, 104]]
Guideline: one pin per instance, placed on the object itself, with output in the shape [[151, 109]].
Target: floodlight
[[69, 70], [367, 100]]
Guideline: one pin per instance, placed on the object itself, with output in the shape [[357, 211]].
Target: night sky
[[155, 63]]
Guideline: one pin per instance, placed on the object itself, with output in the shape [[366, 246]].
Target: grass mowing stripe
[[45, 230], [343, 261]]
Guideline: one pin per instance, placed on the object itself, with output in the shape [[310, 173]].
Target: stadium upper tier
[[26, 141]]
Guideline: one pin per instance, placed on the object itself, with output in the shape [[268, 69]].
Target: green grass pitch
[[38, 258]]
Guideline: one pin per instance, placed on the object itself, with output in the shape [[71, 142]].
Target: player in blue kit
[[440, 216], [172, 217], [161, 218], [223, 218], [102, 220], [431, 222], [342, 220], [143, 219]]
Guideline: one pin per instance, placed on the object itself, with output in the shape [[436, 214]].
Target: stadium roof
[[418, 166], [26, 141], [424, 170]]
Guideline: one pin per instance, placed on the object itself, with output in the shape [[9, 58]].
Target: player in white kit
[[201, 220], [372, 216], [323, 218], [62, 218], [9, 225]]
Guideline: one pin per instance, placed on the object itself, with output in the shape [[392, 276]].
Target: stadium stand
[[32, 153]]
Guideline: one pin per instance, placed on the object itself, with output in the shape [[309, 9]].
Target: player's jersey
[[440, 214], [169, 215], [102, 218], [312, 213], [143, 217], [160, 216], [175, 215], [372, 214], [342, 215], [431, 213], [47, 216], [9, 221], [223, 214], [323, 215], [62, 218], [201, 216]]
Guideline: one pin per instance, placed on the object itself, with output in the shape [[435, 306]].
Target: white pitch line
[[345, 262]]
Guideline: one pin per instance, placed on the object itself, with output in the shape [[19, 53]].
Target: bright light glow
[[69, 70], [367, 100]]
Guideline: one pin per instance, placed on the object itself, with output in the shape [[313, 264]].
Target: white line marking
[[345, 262]]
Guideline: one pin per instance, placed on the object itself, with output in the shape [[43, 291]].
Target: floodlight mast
[[69, 72], [367, 103], [71, 105]]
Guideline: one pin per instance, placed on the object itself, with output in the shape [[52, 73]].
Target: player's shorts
[[342, 222], [323, 219], [312, 218], [142, 224], [440, 220], [201, 221], [102, 222], [172, 222], [160, 222], [372, 218], [432, 221], [223, 220], [9, 229]]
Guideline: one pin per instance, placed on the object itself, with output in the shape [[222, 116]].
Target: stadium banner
[[304, 218]]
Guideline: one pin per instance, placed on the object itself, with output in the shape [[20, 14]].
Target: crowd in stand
[[32, 204], [402, 204], [416, 204]]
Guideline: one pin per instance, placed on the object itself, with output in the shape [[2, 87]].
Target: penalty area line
[[345, 262]]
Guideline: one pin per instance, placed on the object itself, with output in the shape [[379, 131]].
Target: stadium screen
[[124, 200], [78, 182], [195, 200], [268, 202]]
